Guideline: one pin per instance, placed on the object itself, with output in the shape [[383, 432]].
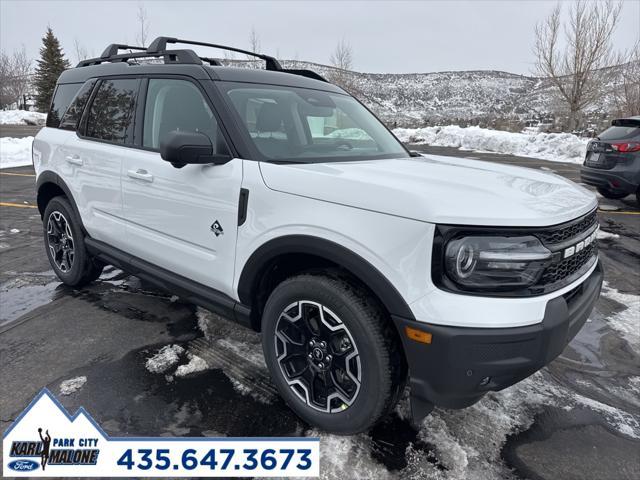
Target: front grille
[[569, 266], [561, 233], [565, 270]]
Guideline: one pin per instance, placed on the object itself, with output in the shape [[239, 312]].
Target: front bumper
[[461, 363]]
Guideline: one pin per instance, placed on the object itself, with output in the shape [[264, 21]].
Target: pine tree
[[50, 65]]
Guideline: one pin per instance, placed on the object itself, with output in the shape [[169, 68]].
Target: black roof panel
[[230, 74], [270, 77]]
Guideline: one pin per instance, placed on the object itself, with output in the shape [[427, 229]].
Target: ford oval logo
[[23, 465]]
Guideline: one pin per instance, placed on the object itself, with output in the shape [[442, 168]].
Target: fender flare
[[51, 177], [350, 261]]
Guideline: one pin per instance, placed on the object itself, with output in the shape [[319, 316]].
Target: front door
[[181, 219]]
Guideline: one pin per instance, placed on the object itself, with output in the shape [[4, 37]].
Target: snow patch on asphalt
[[72, 385], [21, 117], [627, 321], [15, 152], [561, 147], [166, 358], [602, 235], [195, 365]]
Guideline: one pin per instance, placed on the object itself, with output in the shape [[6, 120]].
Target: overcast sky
[[386, 37]]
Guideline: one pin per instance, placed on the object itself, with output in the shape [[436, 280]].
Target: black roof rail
[[113, 49], [169, 56], [160, 44], [158, 49]]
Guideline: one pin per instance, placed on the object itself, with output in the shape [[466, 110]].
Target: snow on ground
[[21, 117], [196, 364], [627, 321], [561, 147], [167, 357], [602, 235], [72, 385], [15, 152]]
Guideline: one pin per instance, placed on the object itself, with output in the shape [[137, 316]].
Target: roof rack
[[160, 45], [158, 49], [113, 49], [169, 56]]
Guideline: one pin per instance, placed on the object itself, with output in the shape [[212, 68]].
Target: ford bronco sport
[[277, 200]]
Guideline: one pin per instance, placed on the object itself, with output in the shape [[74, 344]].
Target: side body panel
[[170, 215], [399, 248], [95, 180]]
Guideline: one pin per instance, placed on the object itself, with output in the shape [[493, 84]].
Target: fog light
[[485, 381]]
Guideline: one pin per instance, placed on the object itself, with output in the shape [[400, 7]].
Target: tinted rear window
[[72, 116], [620, 133], [112, 110], [61, 100]]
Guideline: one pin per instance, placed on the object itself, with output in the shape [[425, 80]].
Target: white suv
[[277, 200]]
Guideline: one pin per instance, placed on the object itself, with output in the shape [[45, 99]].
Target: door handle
[[140, 174], [73, 160]]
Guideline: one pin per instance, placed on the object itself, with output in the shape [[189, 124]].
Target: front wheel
[[64, 244], [332, 353], [606, 193]]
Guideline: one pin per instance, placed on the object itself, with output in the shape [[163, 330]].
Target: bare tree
[[577, 69], [628, 93], [5, 69], [80, 50], [15, 77], [143, 26], [342, 56], [342, 60], [254, 42]]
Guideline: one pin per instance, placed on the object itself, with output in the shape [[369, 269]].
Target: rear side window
[[111, 113], [61, 99], [72, 116], [620, 133]]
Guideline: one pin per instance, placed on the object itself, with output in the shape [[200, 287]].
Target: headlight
[[481, 263]]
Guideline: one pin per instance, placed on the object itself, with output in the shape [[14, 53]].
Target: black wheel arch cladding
[[357, 266]]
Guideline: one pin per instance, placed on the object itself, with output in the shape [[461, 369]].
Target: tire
[[65, 247], [367, 361], [638, 197], [611, 195]]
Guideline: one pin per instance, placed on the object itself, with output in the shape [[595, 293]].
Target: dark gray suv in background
[[612, 162]]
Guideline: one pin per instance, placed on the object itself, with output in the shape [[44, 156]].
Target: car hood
[[438, 189]]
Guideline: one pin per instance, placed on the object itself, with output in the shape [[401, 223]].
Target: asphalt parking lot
[[578, 418]]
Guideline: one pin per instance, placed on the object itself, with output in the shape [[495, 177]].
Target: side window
[[112, 110], [178, 105], [71, 118], [61, 99]]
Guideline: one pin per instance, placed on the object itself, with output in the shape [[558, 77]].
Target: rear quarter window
[[61, 99], [71, 118]]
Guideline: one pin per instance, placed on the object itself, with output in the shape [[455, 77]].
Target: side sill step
[[184, 288]]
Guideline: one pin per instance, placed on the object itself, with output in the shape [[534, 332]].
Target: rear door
[[181, 219], [97, 153]]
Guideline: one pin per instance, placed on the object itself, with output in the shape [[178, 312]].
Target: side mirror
[[183, 148]]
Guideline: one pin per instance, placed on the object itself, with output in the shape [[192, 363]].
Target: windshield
[[287, 124]]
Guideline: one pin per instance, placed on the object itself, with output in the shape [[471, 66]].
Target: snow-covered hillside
[[561, 147], [412, 99]]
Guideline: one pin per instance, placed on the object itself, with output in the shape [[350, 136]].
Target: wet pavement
[[577, 418]]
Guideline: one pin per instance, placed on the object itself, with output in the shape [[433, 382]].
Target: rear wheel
[[332, 352], [606, 193], [64, 244]]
